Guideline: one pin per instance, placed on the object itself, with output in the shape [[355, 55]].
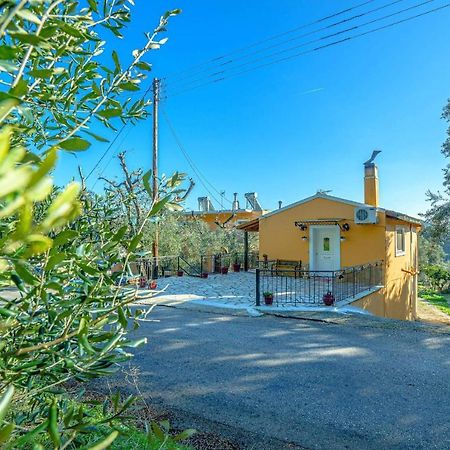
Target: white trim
[[314, 197], [397, 251], [312, 256]]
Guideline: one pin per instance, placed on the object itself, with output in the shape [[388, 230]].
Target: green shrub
[[437, 277]]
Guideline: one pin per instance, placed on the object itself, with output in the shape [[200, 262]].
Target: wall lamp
[[344, 227], [304, 238], [302, 226]]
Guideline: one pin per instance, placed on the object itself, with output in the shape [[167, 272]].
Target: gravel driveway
[[301, 383]]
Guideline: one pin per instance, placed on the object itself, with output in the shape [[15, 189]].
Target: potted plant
[[204, 275], [152, 285], [328, 298], [142, 282], [268, 298], [180, 273], [236, 266], [224, 270]]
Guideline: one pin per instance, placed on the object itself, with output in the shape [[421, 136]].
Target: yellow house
[[343, 242]]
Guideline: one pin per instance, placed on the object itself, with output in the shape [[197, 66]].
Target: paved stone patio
[[235, 289], [231, 291]]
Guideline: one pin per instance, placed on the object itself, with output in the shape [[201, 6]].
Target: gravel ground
[[429, 313], [273, 383]]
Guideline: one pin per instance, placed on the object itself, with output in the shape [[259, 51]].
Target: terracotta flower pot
[[236, 267], [224, 270], [180, 273], [268, 300], [153, 285], [204, 275], [142, 282], [328, 299]]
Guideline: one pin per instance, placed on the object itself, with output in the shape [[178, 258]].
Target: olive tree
[[438, 215], [63, 315]]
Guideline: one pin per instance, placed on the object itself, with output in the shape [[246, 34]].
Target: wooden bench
[[281, 266]]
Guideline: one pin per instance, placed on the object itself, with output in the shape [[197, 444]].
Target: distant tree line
[[434, 247], [179, 234]]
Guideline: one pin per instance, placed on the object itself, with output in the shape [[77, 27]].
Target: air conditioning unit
[[365, 214]]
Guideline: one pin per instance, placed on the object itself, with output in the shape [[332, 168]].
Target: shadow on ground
[[314, 384]]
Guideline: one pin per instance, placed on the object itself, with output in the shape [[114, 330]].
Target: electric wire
[[223, 66], [203, 180], [216, 75], [279, 60], [117, 135], [112, 156], [318, 48], [270, 38]]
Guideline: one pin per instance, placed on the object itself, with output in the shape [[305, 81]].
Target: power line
[[337, 42], [113, 154], [203, 180], [279, 60], [122, 128], [314, 41], [270, 38], [223, 66]]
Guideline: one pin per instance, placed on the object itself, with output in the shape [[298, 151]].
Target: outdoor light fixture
[[301, 225], [304, 238], [344, 227], [342, 238]]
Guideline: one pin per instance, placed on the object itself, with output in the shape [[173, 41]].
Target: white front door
[[325, 246]]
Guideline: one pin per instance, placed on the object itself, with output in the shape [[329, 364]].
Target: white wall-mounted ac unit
[[365, 214]]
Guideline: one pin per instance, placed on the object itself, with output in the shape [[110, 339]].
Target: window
[[400, 247], [326, 244]]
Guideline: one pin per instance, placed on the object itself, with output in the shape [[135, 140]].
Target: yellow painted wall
[[280, 239], [401, 284], [374, 303]]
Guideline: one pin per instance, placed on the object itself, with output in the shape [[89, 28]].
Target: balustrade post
[[258, 295]]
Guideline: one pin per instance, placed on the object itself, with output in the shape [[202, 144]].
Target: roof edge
[[403, 217], [314, 197]]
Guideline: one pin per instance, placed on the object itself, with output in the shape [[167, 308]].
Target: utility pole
[[156, 86]]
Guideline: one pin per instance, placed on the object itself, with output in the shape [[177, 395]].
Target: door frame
[[312, 243]]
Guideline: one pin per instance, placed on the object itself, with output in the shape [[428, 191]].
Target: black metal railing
[[245, 261], [153, 268], [166, 266], [309, 287]]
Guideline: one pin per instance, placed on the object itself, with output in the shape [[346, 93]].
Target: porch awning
[[251, 225], [331, 221]]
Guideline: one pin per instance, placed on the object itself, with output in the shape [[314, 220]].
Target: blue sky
[[292, 128]]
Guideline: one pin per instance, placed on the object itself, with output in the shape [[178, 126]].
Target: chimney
[[280, 204], [371, 188], [235, 202]]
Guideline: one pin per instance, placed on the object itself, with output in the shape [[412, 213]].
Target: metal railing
[[292, 287], [166, 266], [152, 268], [228, 259]]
